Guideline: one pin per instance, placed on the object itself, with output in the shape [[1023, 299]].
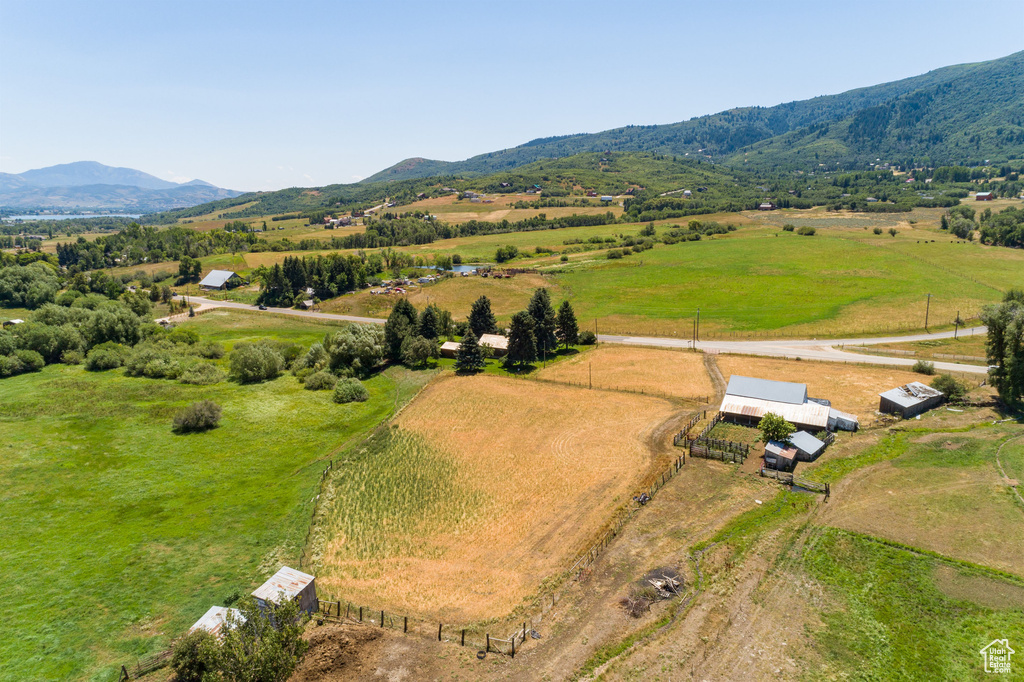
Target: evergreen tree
[[522, 343], [568, 331], [944, 223], [544, 321], [470, 357], [1005, 346], [430, 322], [402, 322], [481, 319]]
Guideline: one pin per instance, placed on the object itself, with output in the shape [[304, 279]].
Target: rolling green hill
[[956, 114]]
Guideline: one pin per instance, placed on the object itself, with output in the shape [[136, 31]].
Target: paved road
[[809, 349]]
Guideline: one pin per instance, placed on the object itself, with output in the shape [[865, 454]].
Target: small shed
[[910, 399], [780, 456], [808, 448], [842, 421], [214, 620], [449, 349], [289, 584], [220, 279]]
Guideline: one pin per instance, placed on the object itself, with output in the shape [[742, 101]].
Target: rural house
[[290, 584], [496, 342], [220, 279], [214, 620], [910, 400], [748, 399]]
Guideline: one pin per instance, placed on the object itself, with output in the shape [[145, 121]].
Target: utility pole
[[927, 308], [696, 336], [595, 332], [956, 325], [591, 366]]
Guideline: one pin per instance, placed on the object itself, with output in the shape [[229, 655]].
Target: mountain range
[[92, 186], [962, 114]]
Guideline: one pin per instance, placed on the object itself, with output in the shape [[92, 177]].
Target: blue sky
[[263, 95]]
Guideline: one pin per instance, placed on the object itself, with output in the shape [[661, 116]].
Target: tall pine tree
[[568, 331], [470, 357], [544, 321], [481, 319], [522, 344]]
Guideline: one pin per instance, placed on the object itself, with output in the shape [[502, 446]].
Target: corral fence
[[144, 666], [681, 436], [710, 425], [798, 482], [707, 449]]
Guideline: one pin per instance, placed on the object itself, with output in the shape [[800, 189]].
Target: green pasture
[[119, 534]]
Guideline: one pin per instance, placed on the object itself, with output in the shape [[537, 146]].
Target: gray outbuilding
[[910, 399], [807, 446], [289, 583]]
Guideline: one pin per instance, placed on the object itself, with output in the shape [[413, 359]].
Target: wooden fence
[[682, 435], [706, 452], [710, 425], [789, 479], [144, 666], [304, 557], [702, 399]]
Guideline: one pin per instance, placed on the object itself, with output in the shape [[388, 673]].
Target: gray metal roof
[[911, 394], [216, 278], [802, 440], [214, 620], [287, 580], [766, 389], [778, 449]]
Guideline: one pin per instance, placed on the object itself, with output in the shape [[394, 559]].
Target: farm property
[[482, 489], [660, 372]]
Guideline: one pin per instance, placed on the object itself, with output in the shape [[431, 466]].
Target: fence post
[[382, 617], [463, 636], [513, 646], [360, 614], [488, 643], [439, 631]]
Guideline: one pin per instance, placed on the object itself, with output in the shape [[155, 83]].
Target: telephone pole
[[927, 308], [956, 325], [696, 335]]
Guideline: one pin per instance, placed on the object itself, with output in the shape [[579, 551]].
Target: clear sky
[[262, 95]]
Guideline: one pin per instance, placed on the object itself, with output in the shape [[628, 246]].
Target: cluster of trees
[[1005, 346], [261, 644], [28, 286], [136, 244], [538, 330], [285, 283], [1005, 228]]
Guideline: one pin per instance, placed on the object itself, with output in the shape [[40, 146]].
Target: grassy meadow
[[119, 534]]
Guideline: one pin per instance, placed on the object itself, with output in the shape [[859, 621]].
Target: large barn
[[748, 399]]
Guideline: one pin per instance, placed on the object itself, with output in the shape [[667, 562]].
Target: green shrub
[[211, 350], [10, 365], [588, 338], [788, 227], [31, 361], [200, 416], [564, 259], [806, 231], [105, 356], [924, 367], [614, 253], [255, 362], [195, 657], [350, 390], [202, 374], [320, 381], [183, 335], [953, 388], [877, 230], [72, 357], [154, 361]]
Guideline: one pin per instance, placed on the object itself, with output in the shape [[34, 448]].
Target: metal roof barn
[[214, 620], [217, 279], [291, 584], [910, 399], [809, 416], [496, 341], [808, 447], [766, 389]]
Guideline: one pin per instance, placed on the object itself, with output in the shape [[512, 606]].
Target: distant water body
[[72, 216]]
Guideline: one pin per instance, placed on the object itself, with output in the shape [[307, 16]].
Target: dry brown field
[[549, 464], [851, 388], [680, 374]]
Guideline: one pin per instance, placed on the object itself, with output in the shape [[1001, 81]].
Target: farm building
[[808, 448], [780, 456], [214, 620], [984, 196], [910, 400], [497, 343], [220, 279], [290, 584], [842, 421], [748, 399], [449, 349], [766, 206]]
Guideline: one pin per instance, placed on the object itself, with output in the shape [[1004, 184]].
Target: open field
[[484, 488], [119, 534], [942, 492], [661, 372], [968, 349], [851, 388]]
